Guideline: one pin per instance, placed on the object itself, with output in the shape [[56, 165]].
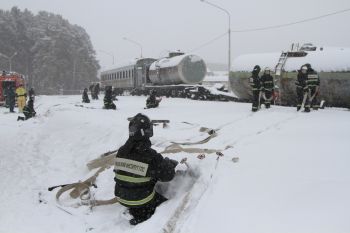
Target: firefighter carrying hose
[[267, 86], [313, 82], [302, 89]]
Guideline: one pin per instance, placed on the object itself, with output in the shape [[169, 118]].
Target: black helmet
[[140, 127], [256, 69], [308, 65]]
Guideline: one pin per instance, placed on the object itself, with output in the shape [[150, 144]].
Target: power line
[[291, 23], [209, 42], [271, 27]]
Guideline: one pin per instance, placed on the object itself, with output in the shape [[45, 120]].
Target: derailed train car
[[332, 65], [178, 75]]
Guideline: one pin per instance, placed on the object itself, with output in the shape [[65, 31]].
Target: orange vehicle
[[9, 79]]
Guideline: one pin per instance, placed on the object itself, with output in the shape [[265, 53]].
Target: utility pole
[[134, 42], [229, 32]]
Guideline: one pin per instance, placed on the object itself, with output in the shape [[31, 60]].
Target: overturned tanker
[[332, 65], [182, 69]]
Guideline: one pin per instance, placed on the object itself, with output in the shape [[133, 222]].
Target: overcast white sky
[[161, 25]]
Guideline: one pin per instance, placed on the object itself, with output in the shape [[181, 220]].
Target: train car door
[[139, 76]]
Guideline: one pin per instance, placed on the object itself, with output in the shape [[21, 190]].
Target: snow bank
[[292, 175], [327, 60]]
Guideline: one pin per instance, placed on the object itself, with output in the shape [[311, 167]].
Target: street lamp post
[[229, 32], [108, 53], [9, 58], [134, 42]]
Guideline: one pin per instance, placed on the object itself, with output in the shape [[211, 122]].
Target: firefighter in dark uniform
[[28, 110], [11, 98], [86, 96], [313, 82], [302, 89], [96, 91], [137, 170], [91, 88], [31, 93], [152, 101], [267, 86], [108, 99], [256, 87]]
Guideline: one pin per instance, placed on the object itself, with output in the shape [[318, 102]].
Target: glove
[[173, 163]]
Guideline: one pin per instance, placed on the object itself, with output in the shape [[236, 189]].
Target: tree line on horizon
[[52, 53]]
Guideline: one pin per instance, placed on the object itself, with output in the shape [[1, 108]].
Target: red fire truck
[[9, 79]]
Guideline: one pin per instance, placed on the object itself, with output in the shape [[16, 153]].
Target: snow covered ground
[[293, 172]]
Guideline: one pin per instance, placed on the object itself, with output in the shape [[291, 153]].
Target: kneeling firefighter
[[152, 101], [137, 170], [107, 100]]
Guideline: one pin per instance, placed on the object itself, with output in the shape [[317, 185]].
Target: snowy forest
[[52, 53]]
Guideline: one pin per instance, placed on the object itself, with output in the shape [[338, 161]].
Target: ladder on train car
[[278, 74], [280, 64]]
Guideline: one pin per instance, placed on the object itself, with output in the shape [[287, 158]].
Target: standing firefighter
[[108, 99], [21, 97], [313, 82], [28, 111], [86, 96], [267, 86], [91, 89], [137, 170], [11, 98], [96, 91], [256, 88], [302, 90]]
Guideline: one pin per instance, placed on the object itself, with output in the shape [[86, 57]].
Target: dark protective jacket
[[301, 81], [11, 96], [267, 82], [31, 92], [138, 168], [152, 102], [97, 89], [255, 82], [28, 110], [85, 97], [313, 79], [151, 99], [107, 100]]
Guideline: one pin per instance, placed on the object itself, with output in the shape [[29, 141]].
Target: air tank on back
[[178, 68]]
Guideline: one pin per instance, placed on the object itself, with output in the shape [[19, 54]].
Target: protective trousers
[[255, 102], [21, 102]]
